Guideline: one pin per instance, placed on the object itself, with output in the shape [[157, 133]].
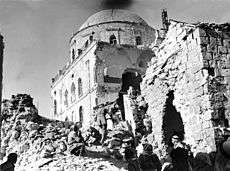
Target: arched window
[[80, 92], [138, 40], [81, 114], [66, 98], [113, 40], [73, 54], [55, 107], [73, 94]]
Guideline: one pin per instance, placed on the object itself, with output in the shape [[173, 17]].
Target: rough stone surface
[[28, 134], [191, 63]]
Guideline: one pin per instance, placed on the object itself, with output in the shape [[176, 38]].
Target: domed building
[[107, 54]]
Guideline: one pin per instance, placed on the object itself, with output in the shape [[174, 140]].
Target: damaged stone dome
[[112, 15]]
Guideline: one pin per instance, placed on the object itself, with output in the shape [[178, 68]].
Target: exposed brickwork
[[192, 61]]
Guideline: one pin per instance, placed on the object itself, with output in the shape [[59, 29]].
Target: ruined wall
[[215, 48], [112, 62], [179, 88], [125, 33]]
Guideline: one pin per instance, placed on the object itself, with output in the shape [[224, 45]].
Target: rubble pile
[[118, 139], [40, 143]]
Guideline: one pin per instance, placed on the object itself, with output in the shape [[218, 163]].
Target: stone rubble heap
[[39, 142], [118, 139]]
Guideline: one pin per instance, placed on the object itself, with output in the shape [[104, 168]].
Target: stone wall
[[186, 85], [215, 48]]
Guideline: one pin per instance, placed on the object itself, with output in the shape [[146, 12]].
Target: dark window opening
[[138, 40], [55, 107], [80, 92], [211, 71], [73, 95], [172, 121], [113, 40], [96, 101], [81, 114], [66, 98], [79, 52], [91, 38]]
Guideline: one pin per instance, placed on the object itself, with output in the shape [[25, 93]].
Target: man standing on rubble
[[101, 120]]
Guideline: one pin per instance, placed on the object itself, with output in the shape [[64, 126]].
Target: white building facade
[[107, 53]]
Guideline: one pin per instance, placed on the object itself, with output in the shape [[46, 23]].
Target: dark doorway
[[131, 79], [172, 121]]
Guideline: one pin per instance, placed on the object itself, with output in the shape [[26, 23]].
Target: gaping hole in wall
[[129, 78], [172, 121]]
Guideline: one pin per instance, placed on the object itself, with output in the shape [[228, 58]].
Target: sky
[[37, 33]]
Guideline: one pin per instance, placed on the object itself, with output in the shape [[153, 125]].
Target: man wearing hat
[[179, 154]]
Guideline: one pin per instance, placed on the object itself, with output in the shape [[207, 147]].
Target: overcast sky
[[36, 34]]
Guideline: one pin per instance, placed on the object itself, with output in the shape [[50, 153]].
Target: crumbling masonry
[[187, 85]]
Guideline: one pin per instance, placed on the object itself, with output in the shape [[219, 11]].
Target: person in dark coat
[[222, 159], [130, 157], [9, 164], [202, 162], [179, 155], [148, 160]]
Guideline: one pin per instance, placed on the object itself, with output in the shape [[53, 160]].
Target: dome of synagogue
[[113, 15]]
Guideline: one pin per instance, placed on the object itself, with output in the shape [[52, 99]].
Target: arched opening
[[66, 98], [138, 40], [73, 95], [131, 78], [113, 40], [55, 107], [81, 114], [172, 121], [80, 92]]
